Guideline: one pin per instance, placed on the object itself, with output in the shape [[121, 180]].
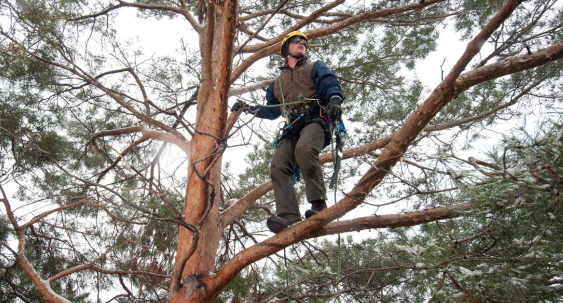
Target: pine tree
[[112, 168]]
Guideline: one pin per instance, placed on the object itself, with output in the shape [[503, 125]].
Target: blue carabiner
[[341, 129]]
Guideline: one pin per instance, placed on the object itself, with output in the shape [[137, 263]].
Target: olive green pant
[[304, 152]]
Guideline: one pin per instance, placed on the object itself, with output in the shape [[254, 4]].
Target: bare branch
[[250, 88], [272, 46], [118, 159], [182, 11], [101, 270], [260, 28]]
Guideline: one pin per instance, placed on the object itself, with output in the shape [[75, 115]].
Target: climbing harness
[[337, 130], [297, 118]]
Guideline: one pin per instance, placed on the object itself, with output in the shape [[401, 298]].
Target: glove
[[238, 105], [334, 109]]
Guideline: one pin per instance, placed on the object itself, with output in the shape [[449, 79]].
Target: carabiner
[[321, 109]]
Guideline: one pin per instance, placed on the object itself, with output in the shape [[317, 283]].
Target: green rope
[[337, 220], [273, 105], [284, 108], [286, 276], [338, 277]]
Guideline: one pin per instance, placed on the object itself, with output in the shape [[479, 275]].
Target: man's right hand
[[238, 106]]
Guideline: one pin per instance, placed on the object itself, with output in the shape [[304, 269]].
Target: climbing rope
[[284, 107], [334, 182], [272, 105], [286, 276]]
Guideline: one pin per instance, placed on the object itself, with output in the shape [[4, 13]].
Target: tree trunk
[[204, 175]]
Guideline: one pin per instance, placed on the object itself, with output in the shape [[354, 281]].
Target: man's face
[[297, 46]]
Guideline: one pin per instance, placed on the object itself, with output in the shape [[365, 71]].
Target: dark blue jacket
[[321, 79]]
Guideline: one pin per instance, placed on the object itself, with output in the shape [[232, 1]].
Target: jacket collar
[[297, 65]]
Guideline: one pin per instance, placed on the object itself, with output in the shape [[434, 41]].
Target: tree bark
[[204, 175]]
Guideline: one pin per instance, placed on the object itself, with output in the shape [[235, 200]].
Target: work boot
[[316, 207], [282, 221]]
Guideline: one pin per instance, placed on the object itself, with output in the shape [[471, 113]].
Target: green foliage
[[244, 288], [258, 172]]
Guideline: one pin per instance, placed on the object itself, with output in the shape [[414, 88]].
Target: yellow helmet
[[289, 36]]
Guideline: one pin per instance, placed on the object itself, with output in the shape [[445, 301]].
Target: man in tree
[[306, 131]]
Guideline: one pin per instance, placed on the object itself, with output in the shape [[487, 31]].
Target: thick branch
[[384, 221], [166, 137], [394, 220], [41, 285], [507, 67], [162, 136], [115, 132]]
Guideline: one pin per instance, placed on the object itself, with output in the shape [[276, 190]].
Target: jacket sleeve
[[271, 113], [326, 82]]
